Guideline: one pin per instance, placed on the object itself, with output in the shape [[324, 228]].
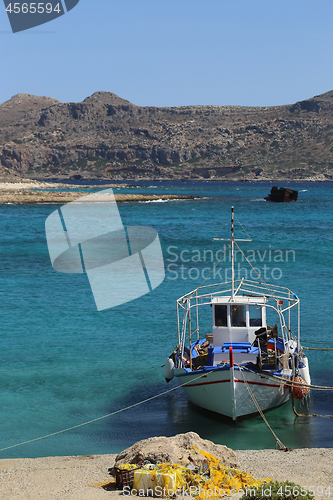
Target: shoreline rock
[[175, 449], [30, 192], [28, 197]]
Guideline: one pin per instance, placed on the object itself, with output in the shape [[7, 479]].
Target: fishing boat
[[240, 365]]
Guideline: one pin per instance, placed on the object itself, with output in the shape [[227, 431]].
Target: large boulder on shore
[[177, 450]]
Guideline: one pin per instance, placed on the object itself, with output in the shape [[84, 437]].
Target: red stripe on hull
[[207, 383], [257, 383], [228, 380]]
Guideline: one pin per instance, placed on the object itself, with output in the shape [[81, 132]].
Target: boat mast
[[232, 254], [232, 241]]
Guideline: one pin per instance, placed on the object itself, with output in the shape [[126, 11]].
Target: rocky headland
[[107, 137]]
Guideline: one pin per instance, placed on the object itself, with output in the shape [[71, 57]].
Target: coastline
[[21, 192], [28, 191], [70, 477]]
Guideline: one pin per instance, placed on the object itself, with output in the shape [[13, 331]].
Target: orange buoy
[[300, 391]]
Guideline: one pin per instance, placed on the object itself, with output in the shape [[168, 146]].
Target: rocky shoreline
[[30, 192], [22, 190], [25, 196], [119, 181]]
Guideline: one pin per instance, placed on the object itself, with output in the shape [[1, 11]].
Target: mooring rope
[[303, 414], [241, 369], [318, 348], [105, 416], [278, 441], [290, 384]]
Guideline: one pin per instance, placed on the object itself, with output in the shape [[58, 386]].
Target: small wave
[[155, 201], [303, 190], [176, 199]]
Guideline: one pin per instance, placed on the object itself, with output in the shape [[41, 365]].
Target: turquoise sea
[[63, 363]]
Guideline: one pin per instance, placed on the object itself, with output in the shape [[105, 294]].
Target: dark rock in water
[[176, 449], [282, 194]]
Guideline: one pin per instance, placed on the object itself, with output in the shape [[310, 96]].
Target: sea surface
[[63, 363]]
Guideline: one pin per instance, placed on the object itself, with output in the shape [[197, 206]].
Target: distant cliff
[[105, 136]]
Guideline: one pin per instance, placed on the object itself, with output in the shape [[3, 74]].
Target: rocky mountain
[[107, 137]]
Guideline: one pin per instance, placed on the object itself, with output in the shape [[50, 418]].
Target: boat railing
[[245, 288], [275, 299]]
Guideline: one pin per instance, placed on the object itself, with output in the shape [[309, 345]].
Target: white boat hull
[[225, 391]]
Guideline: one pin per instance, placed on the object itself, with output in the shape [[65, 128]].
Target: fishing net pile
[[210, 479]]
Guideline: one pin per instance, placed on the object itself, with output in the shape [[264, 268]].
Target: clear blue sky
[[175, 52]]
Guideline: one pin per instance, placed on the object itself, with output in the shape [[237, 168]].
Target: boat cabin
[[237, 321], [234, 324]]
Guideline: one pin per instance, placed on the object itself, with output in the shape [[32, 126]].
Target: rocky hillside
[[105, 136]]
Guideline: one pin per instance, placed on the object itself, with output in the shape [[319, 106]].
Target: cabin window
[[238, 315], [221, 315], [255, 316]]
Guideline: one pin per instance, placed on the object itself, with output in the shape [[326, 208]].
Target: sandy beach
[[62, 478], [30, 192]]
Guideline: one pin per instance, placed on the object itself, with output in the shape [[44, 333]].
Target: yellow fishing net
[[128, 466], [209, 480]]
